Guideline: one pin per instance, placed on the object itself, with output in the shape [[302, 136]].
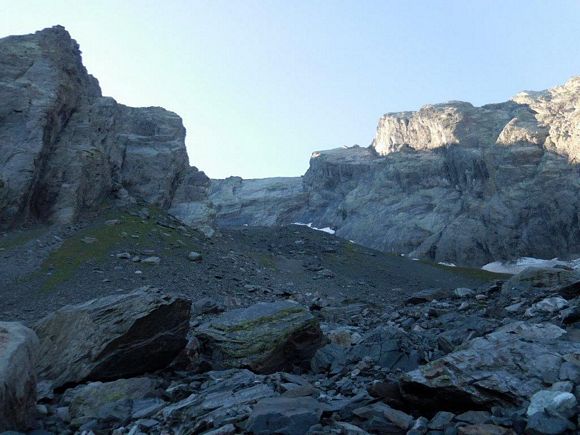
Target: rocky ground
[[274, 330], [113, 252]]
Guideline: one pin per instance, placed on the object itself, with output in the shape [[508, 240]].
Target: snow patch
[[444, 263], [324, 230], [513, 267]]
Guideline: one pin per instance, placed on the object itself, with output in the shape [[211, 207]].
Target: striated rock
[[503, 368], [112, 337], [282, 415], [18, 354], [263, 202], [96, 400], [66, 148], [264, 337], [451, 182]]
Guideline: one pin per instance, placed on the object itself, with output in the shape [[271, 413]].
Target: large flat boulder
[[503, 368], [112, 337], [18, 347], [265, 337]]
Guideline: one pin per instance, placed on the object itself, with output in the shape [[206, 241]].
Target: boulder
[[389, 347], [282, 415], [98, 400], [505, 367], [112, 337], [535, 281], [265, 337], [18, 354], [558, 402]]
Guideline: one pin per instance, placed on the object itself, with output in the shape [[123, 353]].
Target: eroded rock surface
[[64, 147], [451, 182], [264, 337], [112, 337], [18, 355]]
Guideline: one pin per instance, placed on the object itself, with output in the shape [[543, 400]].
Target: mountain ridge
[[450, 182]]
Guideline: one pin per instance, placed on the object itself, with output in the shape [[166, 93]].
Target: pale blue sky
[[262, 84]]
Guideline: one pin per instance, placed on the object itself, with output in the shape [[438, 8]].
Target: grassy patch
[[131, 234], [267, 261], [470, 272], [20, 238]]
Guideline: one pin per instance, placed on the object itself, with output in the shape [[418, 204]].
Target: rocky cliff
[[64, 147], [451, 182]]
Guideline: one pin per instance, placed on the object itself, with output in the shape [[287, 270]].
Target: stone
[[441, 420], [97, 400], [542, 423], [145, 408], [389, 347], [291, 416], [559, 402], [398, 418], [228, 429], [265, 337], [194, 256], [420, 426], [463, 292], [484, 429], [547, 306], [537, 281], [18, 357], [113, 337], [505, 367], [474, 417], [330, 358], [151, 260]]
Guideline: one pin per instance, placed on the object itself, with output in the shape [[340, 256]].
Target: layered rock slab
[[505, 368], [112, 337], [265, 337], [18, 355]]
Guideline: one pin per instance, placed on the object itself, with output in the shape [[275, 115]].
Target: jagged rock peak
[[548, 118]]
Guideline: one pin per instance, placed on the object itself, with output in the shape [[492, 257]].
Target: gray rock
[[194, 256], [113, 337], [547, 306], [151, 260], [535, 281], [98, 400], [463, 292], [451, 182], [542, 423], [291, 416], [18, 356], [441, 420], [558, 402], [329, 358], [66, 147], [505, 367], [484, 429], [264, 337], [474, 417], [388, 347]]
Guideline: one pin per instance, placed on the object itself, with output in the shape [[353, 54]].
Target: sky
[[260, 85]]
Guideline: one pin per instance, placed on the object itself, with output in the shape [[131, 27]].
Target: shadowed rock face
[[18, 354], [64, 147]]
